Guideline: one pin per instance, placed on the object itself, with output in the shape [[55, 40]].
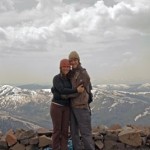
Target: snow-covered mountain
[[144, 87], [124, 104], [29, 105], [116, 105], [8, 122]]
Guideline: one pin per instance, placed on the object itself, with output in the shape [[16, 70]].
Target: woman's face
[[65, 69]]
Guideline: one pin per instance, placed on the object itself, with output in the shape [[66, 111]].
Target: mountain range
[[113, 103]]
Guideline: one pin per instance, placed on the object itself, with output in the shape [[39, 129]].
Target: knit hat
[[74, 55], [64, 63]]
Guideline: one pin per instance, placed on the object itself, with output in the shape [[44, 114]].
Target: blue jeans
[[81, 124]]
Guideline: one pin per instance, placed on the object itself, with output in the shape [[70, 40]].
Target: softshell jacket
[[62, 85], [80, 76]]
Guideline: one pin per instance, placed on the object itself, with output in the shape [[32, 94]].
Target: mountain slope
[[124, 104], [111, 106], [8, 122]]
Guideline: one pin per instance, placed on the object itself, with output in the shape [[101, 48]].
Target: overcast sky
[[112, 38]]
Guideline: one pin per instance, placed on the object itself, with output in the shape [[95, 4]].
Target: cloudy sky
[[112, 38]]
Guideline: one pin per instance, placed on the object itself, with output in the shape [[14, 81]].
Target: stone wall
[[130, 137]]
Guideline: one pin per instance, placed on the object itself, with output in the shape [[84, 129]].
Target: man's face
[[74, 63]]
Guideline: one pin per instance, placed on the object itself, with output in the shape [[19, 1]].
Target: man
[[80, 112]]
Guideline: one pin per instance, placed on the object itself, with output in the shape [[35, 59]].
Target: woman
[[60, 107]]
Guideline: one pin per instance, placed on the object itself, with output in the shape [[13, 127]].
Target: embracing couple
[[70, 105]]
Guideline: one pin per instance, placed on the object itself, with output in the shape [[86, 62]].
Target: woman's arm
[[70, 96], [59, 86]]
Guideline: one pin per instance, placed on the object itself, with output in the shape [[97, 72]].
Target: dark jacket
[[62, 86]]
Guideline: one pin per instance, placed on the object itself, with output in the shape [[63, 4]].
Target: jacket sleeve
[[58, 85], [69, 96], [86, 78]]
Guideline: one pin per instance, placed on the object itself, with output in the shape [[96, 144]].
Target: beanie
[[64, 63], [74, 55]]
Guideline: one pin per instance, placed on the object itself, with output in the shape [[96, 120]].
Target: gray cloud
[[113, 35], [6, 5], [3, 35], [21, 5]]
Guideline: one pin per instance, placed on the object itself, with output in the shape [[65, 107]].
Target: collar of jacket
[[62, 76]]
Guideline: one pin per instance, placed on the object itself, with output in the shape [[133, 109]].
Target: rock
[[44, 141], [115, 127], [99, 144], [22, 135], [11, 138], [34, 140], [18, 147], [112, 145], [32, 147], [24, 141], [131, 137], [3, 143], [44, 131], [111, 136]]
